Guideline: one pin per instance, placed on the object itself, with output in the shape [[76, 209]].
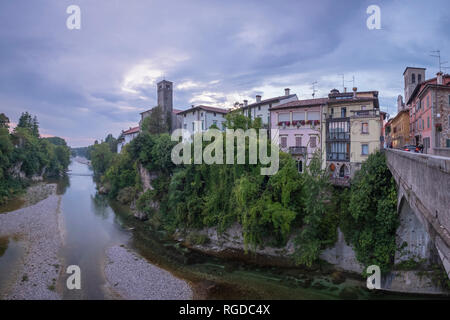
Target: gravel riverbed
[[39, 229], [132, 277]]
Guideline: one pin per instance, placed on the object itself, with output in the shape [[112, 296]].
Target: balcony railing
[[338, 136], [341, 181], [365, 113], [298, 150], [338, 156]]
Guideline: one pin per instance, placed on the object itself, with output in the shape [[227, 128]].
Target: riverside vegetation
[[271, 209], [25, 156]]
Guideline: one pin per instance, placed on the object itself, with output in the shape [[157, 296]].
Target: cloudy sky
[[83, 84]]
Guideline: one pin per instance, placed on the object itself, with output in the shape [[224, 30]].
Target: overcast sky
[[84, 84]]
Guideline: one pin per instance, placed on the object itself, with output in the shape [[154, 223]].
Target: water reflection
[[11, 249]]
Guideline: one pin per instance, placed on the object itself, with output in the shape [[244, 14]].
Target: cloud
[[84, 84]]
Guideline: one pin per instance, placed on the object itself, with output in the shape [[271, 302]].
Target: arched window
[[300, 166], [343, 171], [413, 78], [419, 78]]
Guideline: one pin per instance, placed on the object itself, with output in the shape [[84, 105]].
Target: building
[[200, 118], [399, 129], [352, 130], [298, 128], [165, 101], [429, 111], [260, 109], [126, 137]]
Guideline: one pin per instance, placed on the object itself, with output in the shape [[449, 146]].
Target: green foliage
[[319, 221], [101, 158], [23, 151], [121, 172], [156, 122], [371, 219]]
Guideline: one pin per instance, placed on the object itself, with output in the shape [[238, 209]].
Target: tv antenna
[[352, 81], [314, 88], [438, 55], [343, 81]]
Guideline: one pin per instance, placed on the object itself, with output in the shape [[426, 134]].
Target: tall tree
[[4, 121], [156, 122]]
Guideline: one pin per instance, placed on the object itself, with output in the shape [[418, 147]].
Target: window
[[365, 127], [413, 78], [214, 114], [428, 101], [297, 116], [313, 115], [428, 122], [343, 112], [364, 149], [283, 141], [193, 126], [203, 124], [185, 126], [312, 142], [419, 78], [298, 141], [447, 143], [332, 111], [283, 117], [215, 122], [300, 166], [259, 108], [201, 114], [185, 115]]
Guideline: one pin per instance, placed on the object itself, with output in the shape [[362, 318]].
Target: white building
[[261, 107], [126, 137], [204, 116]]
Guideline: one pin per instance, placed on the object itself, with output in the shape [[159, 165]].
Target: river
[[92, 224]]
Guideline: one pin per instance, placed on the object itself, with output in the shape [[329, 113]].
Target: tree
[[101, 157], [371, 219], [156, 122], [30, 123], [112, 142], [4, 121]]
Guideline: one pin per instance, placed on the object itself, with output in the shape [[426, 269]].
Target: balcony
[[338, 156], [341, 181], [365, 114], [298, 150], [340, 136]]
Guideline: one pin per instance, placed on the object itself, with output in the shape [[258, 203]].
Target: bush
[[197, 239]]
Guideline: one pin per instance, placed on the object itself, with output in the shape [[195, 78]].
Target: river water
[[93, 223]]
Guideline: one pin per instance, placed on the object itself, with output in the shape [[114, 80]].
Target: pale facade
[[201, 118], [297, 125]]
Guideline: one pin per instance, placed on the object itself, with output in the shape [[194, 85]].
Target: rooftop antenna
[[343, 81], [314, 88], [438, 55], [353, 81]]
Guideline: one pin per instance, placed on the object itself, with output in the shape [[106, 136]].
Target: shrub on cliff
[[371, 220]]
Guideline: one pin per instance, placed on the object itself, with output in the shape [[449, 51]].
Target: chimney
[[439, 77], [192, 106], [354, 92], [258, 98], [286, 91], [245, 103]]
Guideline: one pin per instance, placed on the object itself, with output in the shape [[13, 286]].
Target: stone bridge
[[423, 204]]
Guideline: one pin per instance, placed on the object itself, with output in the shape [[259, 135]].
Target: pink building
[[429, 110], [299, 128]]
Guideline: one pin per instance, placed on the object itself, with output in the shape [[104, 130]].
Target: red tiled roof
[[301, 103], [433, 81], [131, 130]]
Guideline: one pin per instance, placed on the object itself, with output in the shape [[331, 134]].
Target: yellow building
[[400, 129], [352, 130]]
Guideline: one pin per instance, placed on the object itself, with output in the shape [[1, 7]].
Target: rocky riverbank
[[38, 226], [130, 276]]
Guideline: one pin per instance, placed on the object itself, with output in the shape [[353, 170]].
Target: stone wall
[[444, 112]]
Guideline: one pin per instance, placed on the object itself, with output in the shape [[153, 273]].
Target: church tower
[[412, 77], [165, 96]]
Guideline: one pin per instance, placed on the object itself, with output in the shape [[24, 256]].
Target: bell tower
[[165, 99], [412, 77]]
